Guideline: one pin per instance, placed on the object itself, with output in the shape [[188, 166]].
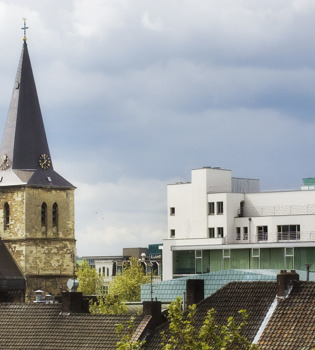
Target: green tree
[[89, 281], [127, 286], [109, 305], [182, 333], [126, 342]]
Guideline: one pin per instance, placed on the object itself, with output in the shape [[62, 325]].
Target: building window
[[226, 253], [220, 232], [198, 254], [6, 219], [103, 270], [172, 211], [219, 207], [226, 259], [100, 271], [198, 257], [262, 233], [255, 253], [211, 232], [289, 258], [211, 208], [238, 233], [104, 290], [44, 215], [55, 215], [255, 258], [245, 233], [288, 232], [107, 271], [172, 233]]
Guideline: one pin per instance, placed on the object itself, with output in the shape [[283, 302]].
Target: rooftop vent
[[73, 285]]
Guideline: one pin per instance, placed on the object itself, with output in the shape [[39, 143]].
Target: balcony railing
[[285, 237], [307, 209]]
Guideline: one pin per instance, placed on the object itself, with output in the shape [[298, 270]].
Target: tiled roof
[[255, 297], [171, 289], [292, 325], [41, 326]]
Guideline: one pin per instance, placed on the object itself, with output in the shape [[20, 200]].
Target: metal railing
[[307, 209]]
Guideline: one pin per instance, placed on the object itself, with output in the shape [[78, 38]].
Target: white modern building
[[218, 222]]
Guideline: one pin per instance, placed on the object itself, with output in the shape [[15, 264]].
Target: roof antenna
[[24, 28]]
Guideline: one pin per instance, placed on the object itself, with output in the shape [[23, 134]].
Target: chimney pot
[[285, 281], [195, 291], [154, 309], [72, 302]]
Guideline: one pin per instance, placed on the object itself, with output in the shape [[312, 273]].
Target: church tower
[[36, 203]]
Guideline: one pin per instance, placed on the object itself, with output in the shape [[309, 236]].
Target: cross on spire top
[[24, 28]]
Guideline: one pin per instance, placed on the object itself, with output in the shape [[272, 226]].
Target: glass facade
[[192, 262]]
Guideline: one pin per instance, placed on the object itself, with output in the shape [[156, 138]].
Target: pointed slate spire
[[24, 149], [24, 136]]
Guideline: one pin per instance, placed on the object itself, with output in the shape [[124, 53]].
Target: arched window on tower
[[55, 216], [44, 217], [6, 218]]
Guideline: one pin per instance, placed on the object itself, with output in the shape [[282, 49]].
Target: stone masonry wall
[[46, 251]]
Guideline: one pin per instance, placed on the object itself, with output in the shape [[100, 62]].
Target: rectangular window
[[211, 208], [172, 233], [255, 261], [172, 211], [255, 252], [211, 232], [198, 254], [289, 258], [219, 207], [220, 232], [226, 259], [104, 289], [262, 233], [226, 253], [288, 232], [289, 251], [245, 233], [238, 233]]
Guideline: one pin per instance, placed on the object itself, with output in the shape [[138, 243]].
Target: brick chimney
[[72, 302], [154, 309], [285, 281], [195, 291]]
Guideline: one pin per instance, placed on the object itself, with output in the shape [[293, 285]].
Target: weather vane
[[24, 28]]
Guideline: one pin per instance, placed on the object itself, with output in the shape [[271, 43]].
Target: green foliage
[[109, 305], [128, 284], [89, 280], [126, 342], [125, 287], [184, 335]]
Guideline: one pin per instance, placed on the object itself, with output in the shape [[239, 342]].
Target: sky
[[136, 93]]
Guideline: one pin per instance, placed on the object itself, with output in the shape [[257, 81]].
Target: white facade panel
[[217, 210]]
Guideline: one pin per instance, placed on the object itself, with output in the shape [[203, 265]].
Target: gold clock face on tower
[[4, 162], [44, 161]]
